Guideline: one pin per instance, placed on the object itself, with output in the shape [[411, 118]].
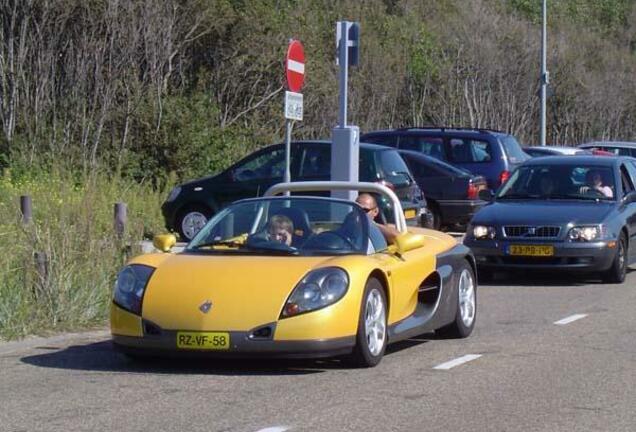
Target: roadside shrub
[[72, 234]]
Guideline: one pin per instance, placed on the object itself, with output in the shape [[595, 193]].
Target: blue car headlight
[[586, 233], [318, 289], [482, 232], [130, 287]]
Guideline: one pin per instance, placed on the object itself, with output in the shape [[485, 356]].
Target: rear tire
[[371, 339], [466, 310], [191, 220], [436, 224], [617, 272]]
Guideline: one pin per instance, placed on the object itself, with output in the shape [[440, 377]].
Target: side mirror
[[486, 195], [408, 241], [164, 242], [629, 198]]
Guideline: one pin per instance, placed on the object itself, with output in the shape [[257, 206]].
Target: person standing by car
[[370, 207]]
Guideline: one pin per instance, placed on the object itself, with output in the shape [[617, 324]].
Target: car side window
[[367, 170], [267, 165], [628, 185], [631, 169], [430, 146], [387, 140], [465, 150], [421, 170], [315, 162]]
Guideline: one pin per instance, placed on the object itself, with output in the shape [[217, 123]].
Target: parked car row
[[547, 215], [451, 166]]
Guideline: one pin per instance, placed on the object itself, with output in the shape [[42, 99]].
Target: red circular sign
[[295, 66]]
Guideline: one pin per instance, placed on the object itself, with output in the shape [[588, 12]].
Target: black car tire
[[485, 275], [458, 329], [617, 272], [436, 223], [362, 355], [189, 210]]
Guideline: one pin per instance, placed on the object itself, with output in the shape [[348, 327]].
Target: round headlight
[[319, 288]]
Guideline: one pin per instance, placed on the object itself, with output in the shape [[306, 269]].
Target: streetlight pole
[[544, 71]]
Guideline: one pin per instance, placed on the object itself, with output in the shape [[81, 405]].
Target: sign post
[[295, 75], [345, 145]]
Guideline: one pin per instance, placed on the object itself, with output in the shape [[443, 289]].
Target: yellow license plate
[[203, 340], [410, 213], [531, 250]]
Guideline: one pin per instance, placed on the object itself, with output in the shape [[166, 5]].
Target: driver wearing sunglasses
[[370, 207]]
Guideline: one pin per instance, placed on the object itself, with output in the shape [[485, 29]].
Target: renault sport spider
[[331, 287]]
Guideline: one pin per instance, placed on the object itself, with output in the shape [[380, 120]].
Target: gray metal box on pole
[[345, 144]]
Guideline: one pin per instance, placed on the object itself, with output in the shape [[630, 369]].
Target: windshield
[[288, 226], [579, 182]]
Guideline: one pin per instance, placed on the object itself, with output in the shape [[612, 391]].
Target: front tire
[[466, 311], [617, 272], [371, 339]]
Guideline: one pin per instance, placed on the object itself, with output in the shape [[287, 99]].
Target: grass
[[72, 230]]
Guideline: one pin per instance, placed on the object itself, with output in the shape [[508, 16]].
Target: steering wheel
[[324, 240], [590, 190]]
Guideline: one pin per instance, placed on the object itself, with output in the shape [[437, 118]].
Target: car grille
[[531, 231]]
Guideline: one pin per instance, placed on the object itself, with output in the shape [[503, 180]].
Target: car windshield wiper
[[518, 196], [228, 243], [274, 247], [577, 197]]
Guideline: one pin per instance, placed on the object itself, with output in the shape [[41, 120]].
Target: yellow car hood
[[245, 291]]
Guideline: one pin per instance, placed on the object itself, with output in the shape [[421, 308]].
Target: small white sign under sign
[[293, 106]]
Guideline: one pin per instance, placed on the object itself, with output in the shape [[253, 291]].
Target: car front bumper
[[459, 211], [242, 347], [134, 335], [592, 256]]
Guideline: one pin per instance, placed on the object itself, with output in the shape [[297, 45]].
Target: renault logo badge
[[206, 306]]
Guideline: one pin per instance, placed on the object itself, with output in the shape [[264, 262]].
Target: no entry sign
[[295, 66]]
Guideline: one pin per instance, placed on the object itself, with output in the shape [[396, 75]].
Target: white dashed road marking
[[458, 361], [274, 429], [570, 319]]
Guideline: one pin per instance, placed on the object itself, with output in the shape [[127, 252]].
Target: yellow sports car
[[295, 276]]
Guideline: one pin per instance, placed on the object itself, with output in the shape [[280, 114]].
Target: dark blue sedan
[[560, 213]]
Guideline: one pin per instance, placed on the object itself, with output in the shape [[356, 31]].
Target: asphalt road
[[531, 375]]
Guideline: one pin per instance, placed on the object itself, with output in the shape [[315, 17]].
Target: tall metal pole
[[288, 131], [343, 60], [544, 72]]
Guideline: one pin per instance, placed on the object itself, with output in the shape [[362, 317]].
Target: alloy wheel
[[375, 322]]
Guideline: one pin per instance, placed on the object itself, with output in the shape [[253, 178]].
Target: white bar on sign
[[570, 319], [458, 361], [295, 66]]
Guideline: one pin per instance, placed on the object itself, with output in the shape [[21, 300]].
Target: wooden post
[[121, 217], [26, 209], [42, 269]]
